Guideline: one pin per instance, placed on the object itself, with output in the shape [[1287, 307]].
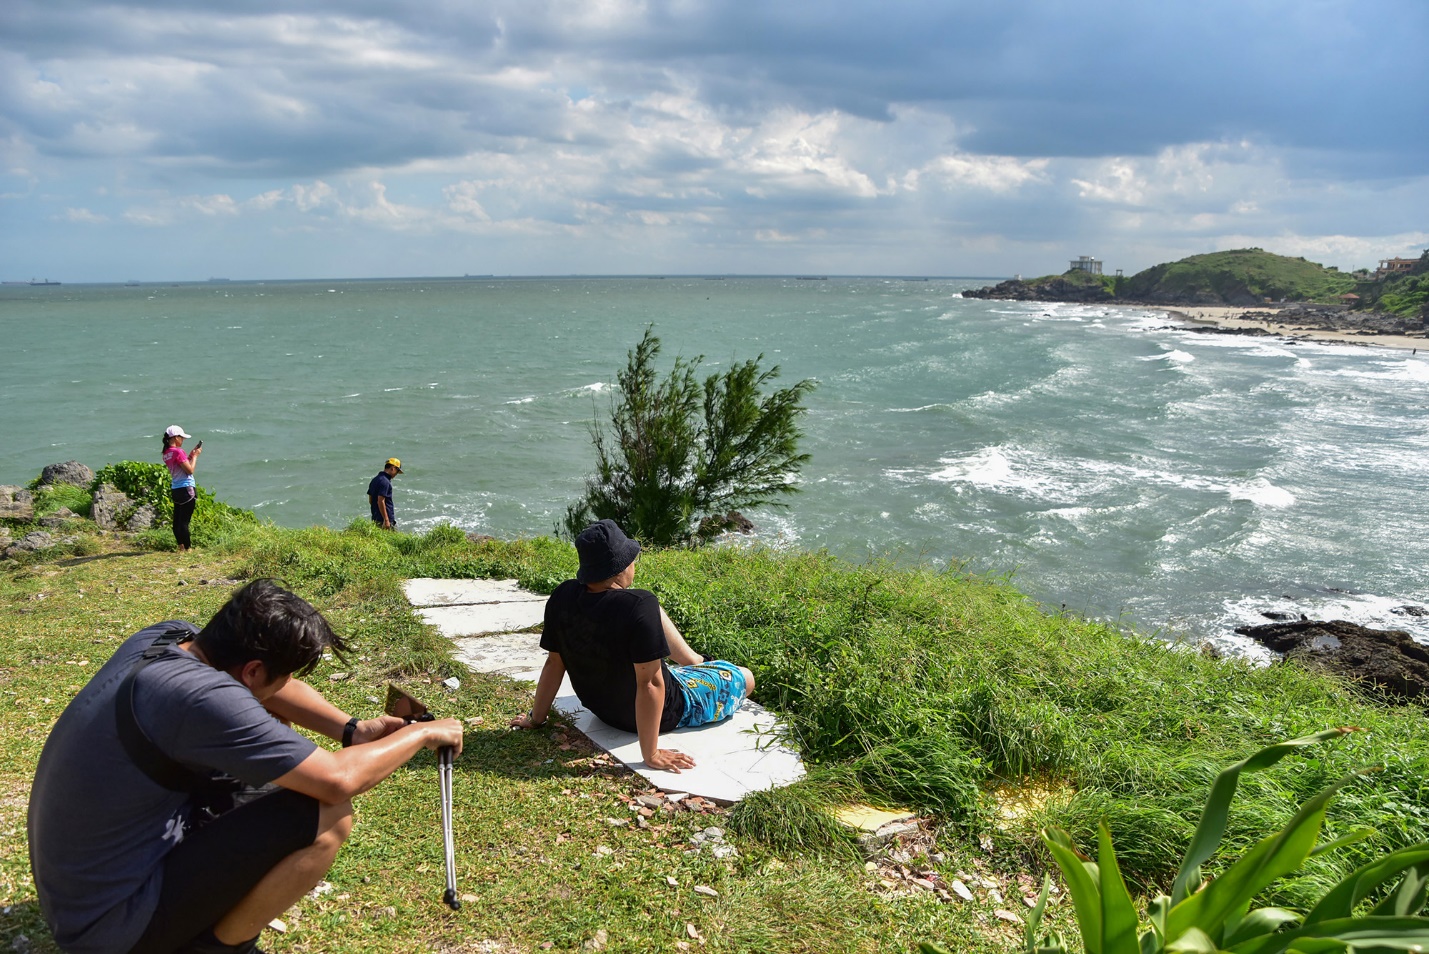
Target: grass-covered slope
[[952, 694], [1405, 294], [1247, 276]]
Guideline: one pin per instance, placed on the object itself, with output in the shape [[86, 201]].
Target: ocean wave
[[1174, 356], [524, 400], [1263, 493]]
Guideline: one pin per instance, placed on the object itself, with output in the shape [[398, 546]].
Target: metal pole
[[444, 771]]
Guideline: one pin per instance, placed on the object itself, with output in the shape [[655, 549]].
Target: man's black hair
[[265, 622]]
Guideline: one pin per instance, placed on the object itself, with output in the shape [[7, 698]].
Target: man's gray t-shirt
[[99, 827]]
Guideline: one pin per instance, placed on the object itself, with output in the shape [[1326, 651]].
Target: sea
[[1107, 460]]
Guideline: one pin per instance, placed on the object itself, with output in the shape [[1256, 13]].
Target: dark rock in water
[[734, 521], [16, 503], [1056, 288], [1411, 610], [1387, 661], [1281, 617], [69, 472]]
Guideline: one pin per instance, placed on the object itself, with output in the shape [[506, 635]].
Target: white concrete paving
[[746, 753]]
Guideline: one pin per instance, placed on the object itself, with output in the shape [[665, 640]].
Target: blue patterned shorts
[[713, 691]]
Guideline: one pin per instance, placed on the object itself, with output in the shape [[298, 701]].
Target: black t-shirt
[[601, 636], [379, 489]]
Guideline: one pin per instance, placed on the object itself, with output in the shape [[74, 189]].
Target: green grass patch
[[939, 691]]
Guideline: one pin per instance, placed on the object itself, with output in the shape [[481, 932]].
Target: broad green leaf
[[1156, 913], [1212, 827], [1118, 910], [1367, 933], [1407, 899], [1034, 920], [1340, 901], [1258, 922], [1193, 941], [1081, 878], [1274, 857]]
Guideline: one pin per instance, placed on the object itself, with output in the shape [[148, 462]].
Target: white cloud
[[84, 215]]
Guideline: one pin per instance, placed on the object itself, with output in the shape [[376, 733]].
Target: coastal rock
[[69, 472], [16, 503], [734, 521], [1411, 611], [114, 510], [58, 519], [1387, 661], [30, 543], [1053, 289]]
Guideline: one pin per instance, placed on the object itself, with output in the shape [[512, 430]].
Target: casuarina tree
[[678, 455]]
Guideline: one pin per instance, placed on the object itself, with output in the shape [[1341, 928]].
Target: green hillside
[[1246, 276], [1405, 294]]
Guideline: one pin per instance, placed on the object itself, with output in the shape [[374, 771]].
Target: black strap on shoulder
[[151, 760]]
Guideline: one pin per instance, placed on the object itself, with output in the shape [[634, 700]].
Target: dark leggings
[[185, 499], [215, 866]]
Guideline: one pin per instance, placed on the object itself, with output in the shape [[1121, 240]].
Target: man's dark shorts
[[217, 864]]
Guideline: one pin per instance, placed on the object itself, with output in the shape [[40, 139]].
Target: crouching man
[[174, 809], [614, 640]]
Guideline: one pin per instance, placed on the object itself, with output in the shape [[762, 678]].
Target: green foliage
[[1211, 916], [679, 455], [143, 482], [50, 498], [1238, 277]]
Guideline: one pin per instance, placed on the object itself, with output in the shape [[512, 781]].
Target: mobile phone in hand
[[198, 446]]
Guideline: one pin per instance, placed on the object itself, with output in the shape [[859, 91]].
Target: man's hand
[[370, 730], [442, 733], [668, 760], [523, 721]]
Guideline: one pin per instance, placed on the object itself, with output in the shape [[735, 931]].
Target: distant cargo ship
[[32, 281]]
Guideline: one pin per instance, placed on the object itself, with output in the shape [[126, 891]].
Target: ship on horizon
[[33, 281]]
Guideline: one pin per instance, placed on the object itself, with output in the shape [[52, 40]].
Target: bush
[[55, 496], [143, 482], [1360, 912], [681, 455]]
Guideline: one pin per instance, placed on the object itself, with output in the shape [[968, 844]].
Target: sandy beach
[[1238, 318]]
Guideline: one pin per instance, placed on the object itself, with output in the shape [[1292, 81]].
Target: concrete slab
[[748, 752], [476, 619], [432, 592]]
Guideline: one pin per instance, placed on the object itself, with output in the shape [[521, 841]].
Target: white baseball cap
[[175, 431]]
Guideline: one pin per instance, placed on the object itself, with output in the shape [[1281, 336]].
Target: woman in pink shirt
[[182, 488]]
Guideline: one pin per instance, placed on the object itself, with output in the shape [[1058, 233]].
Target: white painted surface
[[747, 752]]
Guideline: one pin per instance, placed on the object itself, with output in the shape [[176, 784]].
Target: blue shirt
[[380, 493]]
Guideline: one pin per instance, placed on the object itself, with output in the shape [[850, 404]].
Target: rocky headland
[[1384, 662]]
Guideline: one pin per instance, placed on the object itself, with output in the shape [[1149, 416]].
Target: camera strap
[[150, 759]]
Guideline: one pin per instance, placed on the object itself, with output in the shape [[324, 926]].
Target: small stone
[[547, 945], [617, 822], [692, 931], [645, 812], [714, 834], [475, 720], [924, 883], [469, 898], [596, 943], [650, 801], [604, 850], [961, 890], [339, 676], [706, 890], [452, 683], [279, 926], [672, 882], [1012, 917]]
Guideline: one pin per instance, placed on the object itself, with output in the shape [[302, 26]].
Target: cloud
[[859, 132]]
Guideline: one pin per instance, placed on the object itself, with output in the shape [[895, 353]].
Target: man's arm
[[546, 688], [333, 777], [680, 650], [380, 505], [301, 704], [649, 706]]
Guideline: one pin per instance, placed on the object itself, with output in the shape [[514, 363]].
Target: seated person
[[614, 640], [175, 810]]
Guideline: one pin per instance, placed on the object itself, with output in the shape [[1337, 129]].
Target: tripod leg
[[444, 770]]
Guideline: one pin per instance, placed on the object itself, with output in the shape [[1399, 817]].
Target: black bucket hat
[[604, 550]]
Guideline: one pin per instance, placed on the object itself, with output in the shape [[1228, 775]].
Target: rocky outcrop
[[1386, 661], [30, 543], [16, 503], [58, 519], [732, 522], [115, 510], [69, 472], [1051, 289]]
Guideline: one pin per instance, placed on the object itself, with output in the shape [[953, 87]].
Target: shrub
[[1358, 913], [680, 455], [142, 482], [53, 497]]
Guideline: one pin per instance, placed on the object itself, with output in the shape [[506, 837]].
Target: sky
[[251, 139]]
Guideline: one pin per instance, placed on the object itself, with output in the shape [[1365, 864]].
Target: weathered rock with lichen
[[16, 503], [112, 508], [68, 472], [30, 543]]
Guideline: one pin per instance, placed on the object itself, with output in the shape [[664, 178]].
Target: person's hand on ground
[[523, 721], [668, 760]]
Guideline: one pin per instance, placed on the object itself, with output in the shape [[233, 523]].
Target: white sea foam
[[1262, 493], [1174, 357], [524, 400]]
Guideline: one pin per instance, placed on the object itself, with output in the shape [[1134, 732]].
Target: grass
[[948, 693], [1235, 273]]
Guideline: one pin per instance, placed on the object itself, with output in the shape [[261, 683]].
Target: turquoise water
[[1111, 463]]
